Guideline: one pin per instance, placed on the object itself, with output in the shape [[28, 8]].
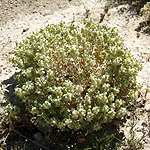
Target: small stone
[[25, 30]]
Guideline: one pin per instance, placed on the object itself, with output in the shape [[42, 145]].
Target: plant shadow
[[10, 95], [144, 27], [134, 8]]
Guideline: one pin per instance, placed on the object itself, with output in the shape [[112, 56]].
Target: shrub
[[75, 77]]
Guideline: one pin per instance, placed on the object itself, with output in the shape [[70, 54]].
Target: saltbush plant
[[76, 77]]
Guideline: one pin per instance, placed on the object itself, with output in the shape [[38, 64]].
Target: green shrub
[[146, 10], [75, 77]]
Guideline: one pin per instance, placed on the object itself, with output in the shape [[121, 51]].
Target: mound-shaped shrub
[[75, 77]]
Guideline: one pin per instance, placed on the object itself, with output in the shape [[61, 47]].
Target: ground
[[19, 18]]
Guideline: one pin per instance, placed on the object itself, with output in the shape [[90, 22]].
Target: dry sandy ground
[[19, 18]]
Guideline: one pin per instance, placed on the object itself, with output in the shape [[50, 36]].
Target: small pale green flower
[[95, 110], [111, 97], [75, 114], [68, 97], [34, 110], [46, 105]]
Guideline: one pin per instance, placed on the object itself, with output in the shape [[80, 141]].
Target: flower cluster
[[75, 77]]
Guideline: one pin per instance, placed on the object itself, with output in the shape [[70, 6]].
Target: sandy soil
[[19, 18]]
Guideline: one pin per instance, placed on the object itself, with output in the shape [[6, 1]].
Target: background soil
[[19, 18]]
